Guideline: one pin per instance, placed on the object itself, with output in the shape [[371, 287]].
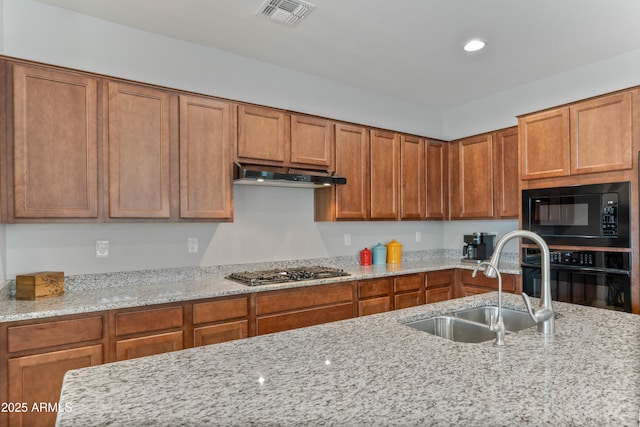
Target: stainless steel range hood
[[249, 174]]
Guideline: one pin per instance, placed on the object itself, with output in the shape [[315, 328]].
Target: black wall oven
[[595, 278], [593, 223]]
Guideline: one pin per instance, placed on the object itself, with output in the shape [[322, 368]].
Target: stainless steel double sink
[[472, 325]]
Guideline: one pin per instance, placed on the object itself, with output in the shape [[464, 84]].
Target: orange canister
[[394, 252], [365, 257]]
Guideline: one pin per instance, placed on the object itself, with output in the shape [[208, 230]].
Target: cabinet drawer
[[134, 322], [440, 278], [408, 299], [300, 319], [49, 334], [149, 345], [216, 311], [438, 294], [374, 288], [508, 281], [296, 299], [213, 334], [411, 282], [374, 306]]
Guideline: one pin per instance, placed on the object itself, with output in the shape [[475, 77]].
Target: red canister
[[365, 257]]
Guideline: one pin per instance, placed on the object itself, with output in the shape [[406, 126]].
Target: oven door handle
[[584, 270]]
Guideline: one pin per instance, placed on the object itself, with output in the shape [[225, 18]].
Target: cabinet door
[[506, 176], [55, 170], [385, 175], [544, 144], [262, 134], [437, 179], [412, 178], [138, 152], [472, 177], [311, 141], [352, 162], [37, 379], [601, 134], [205, 158]]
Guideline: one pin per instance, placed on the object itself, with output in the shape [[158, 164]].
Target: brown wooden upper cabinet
[[206, 174], [138, 151], [412, 178], [385, 175], [585, 137], [55, 144], [471, 179], [506, 177], [350, 201], [275, 137], [437, 179]]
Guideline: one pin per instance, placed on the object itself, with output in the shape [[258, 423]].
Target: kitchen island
[[374, 370]]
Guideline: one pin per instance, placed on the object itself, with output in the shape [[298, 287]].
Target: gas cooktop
[[293, 274]]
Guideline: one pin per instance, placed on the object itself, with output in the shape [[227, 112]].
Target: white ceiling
[[405, 49]]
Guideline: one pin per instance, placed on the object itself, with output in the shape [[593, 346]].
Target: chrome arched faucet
[[544, 315]]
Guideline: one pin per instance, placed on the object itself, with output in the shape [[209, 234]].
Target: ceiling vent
[[288, 12]]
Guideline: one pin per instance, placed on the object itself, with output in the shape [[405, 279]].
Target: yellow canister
[[394, 252]]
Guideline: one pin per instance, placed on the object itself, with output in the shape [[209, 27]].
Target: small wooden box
[[35, 286]]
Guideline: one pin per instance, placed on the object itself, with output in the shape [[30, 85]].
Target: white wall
[[270, 224], [501, 109]]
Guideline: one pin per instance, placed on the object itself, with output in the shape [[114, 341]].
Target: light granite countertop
[[373, 371], [98, 292]]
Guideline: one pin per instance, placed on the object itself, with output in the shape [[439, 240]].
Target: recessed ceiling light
[[474, 45]]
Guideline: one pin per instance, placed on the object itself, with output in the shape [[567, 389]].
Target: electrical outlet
[[418, 236], [347, 239], [192, 245], [102, 249]]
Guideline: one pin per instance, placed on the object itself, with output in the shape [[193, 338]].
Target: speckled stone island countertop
[[96, 292], [374, 370]]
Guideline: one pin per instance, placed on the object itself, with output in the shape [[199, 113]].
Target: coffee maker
[[477, 247]]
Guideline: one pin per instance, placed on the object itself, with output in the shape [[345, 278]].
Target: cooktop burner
[[294, 274]]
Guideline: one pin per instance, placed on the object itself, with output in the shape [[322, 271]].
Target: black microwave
[[582, 215]]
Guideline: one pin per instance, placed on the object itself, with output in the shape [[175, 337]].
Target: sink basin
[[514, 320], [471, 325], [454, 329]]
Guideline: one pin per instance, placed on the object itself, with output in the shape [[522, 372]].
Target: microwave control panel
[[610, 214]]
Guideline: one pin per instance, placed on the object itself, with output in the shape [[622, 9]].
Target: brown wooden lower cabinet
[[38, 354], [408, 290], [37, 380], [440, 285], [299, 307], [374, 296], [145, 332], [220, 320], [469, 285]]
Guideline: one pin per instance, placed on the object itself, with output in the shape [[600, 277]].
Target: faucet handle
[[527, 302]]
